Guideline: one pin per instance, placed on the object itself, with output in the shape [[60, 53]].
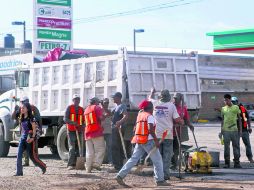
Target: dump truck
[[50, 86]]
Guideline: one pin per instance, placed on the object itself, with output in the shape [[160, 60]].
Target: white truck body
[[52, 84]]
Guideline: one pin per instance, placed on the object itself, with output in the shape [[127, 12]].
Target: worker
[[246, 128], [165, 115], [183, 133], [16, 115], [107, 130], [230, 114], [28, 139], [119, 118], [145, 139], [95, 145], [74, 119]]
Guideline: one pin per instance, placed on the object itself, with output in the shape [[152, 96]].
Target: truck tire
[[4, 145], [62, 143]]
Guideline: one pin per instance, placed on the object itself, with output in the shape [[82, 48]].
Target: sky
[[179, 26]]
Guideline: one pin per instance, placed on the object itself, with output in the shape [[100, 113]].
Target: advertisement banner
[[48, 45], [53, 12], [54, 34], [53, 23], [55, 2]]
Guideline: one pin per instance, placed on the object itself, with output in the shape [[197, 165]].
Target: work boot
[[26, 164], [120, 181], [237, 165], [227, 164], [162, 183], [97, 167], [71, 168], [44, 170]]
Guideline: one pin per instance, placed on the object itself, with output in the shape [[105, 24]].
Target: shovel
[[140, 167], [80, 163], [123, 145]]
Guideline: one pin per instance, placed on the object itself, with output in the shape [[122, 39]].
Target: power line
[[176, 3], [136, 11]]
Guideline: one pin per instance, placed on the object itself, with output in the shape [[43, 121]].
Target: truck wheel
[[4, 145], [62, 143]]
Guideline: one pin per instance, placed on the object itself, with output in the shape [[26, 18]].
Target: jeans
[[246, 141], [175, 156], [166, 150], [31, 149], [138, 152], [95, 150], [234, 137], [108, 141], [73, 147], [117, 149]]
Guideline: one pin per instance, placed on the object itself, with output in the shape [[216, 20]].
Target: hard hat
[[234, 99], [75, 96], [24, 99]]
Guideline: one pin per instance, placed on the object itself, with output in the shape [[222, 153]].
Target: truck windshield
[[23, 79]]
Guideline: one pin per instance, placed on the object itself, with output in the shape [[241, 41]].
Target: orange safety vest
[[73, 117], [142, 128], [92, 123]]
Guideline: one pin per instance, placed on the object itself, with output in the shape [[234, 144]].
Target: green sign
[[54, 34], [56, 2]]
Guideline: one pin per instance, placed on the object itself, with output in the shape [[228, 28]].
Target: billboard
[[49, 45], [55, 2], [52, 25], [53, 12]]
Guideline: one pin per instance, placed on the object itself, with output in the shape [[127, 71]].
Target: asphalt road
[[58, 177]]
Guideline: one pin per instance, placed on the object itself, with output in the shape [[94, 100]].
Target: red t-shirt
[[185, 116], [99, 133]]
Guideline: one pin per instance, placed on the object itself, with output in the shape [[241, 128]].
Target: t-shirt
[[164, 114], [185, 117], [106, 124], [230, 117], [150, 120], [26, 124], [118, 113], [244, 118], [98, 133]]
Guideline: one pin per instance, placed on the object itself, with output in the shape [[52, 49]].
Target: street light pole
[[134, 37], [24, 28]]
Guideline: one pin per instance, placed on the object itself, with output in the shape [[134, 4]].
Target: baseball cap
[[24, 99], [105, 100], [94, 100], [75, 96], [144, 104], [165, 96], [117, 94], [178, 95]]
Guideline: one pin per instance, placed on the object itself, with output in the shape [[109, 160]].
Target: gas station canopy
[[235, 41]]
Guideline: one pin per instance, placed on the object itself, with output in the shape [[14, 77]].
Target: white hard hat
[[24, 99], [75, 96]]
